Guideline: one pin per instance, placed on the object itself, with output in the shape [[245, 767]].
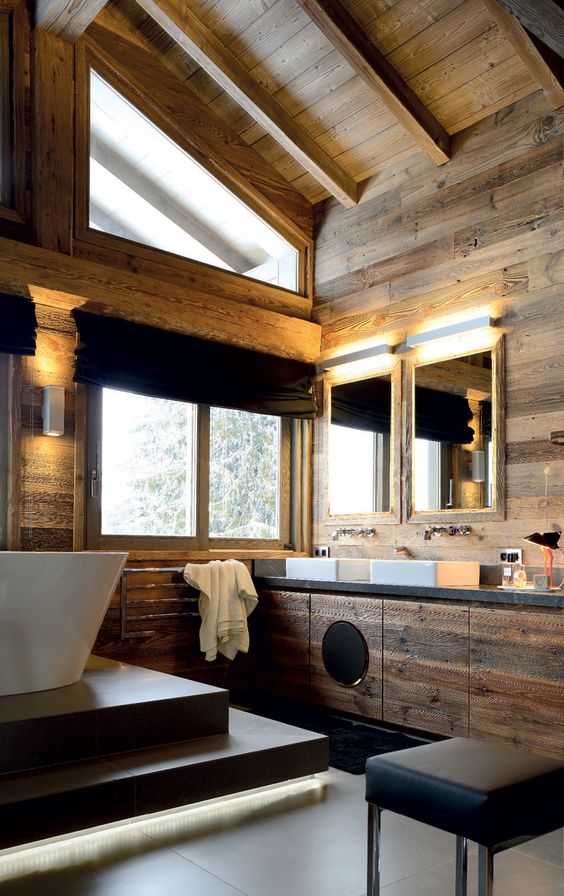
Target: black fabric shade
[[17, 333], [442, 417], [133, 357], [365, 405]]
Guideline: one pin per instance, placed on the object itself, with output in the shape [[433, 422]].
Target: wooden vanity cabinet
[[517, 678], [365, 614], [277, 664], [425, 660]]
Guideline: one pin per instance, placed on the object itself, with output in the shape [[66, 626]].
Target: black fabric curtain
[[363, 405], [133, 357], [442, 417], [17, 333]]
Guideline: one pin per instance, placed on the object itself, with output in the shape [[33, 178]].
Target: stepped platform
[[126, 741]]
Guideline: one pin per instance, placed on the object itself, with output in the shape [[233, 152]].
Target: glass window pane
[[244, 474], [351, 471], [148, 465], [145, 188]]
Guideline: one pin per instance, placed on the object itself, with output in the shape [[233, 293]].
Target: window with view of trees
[[154, 458]]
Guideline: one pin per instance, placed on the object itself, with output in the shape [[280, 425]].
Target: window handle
[[94, 475]]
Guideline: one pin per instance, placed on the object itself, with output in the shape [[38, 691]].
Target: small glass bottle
[[507, 570], [519, 575]]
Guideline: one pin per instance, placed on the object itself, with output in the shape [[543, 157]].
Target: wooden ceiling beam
[[344, 32], [66, 282], [544, 65], [180, 23], [67, 19], [543, 18]]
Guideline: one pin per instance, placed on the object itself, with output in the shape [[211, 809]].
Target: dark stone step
[[113, 708]]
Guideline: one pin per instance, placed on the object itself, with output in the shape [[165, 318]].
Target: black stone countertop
[[483, 594]]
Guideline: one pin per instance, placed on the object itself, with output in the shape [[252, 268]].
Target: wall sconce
[[478, 462], [362, 354], [455, 329], [53, 411]]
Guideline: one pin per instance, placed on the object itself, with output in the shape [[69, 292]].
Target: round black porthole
[[345, 654]]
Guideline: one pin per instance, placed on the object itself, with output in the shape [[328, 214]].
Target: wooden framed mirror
[[455, 435], [362, 445]]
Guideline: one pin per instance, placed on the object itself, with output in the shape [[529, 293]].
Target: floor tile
[[141, 870], [549, 848]]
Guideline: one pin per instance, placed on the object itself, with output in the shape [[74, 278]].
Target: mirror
[[455, 435], [361, 446]]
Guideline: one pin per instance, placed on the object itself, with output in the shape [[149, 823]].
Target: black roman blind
[[119, 354], [17, 331]]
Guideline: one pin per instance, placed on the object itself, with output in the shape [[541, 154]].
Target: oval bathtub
[[51, 608]]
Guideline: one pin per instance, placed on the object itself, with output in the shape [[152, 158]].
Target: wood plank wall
[[486, 229]]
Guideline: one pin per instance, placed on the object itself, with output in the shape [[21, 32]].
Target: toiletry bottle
[[519, 575], [507, 570]]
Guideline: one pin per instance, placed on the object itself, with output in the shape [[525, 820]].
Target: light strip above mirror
[[454, 329], [362, 354]]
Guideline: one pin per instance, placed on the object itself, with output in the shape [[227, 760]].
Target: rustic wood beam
[[67, 19], [184, 26], [344, 32], [60, 281], [167, 204], [53, 110], [186, 119], [543, 18], [545, 66]]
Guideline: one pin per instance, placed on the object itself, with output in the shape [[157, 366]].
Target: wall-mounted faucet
[[360, 531], [437, 531]]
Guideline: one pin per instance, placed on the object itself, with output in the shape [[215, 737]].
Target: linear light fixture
[[455, 329], [362, 354], [53, 411]]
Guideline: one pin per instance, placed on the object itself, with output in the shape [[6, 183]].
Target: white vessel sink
[[426, 573], [328, 569]]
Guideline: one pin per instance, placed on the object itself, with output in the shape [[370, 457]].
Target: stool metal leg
[[373, 882], [461, 888], [485, 871]]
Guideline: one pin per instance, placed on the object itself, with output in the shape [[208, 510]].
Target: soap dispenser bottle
[[507, 569]]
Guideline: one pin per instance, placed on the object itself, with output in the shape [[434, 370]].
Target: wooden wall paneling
[[277, 664], [47, 464], [13, 522], [365, 614], [517, 678], [53, 120], [65, 283], [425, 662], [14, 216]]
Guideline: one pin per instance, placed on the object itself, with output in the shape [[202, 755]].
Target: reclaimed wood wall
[[484, 230]]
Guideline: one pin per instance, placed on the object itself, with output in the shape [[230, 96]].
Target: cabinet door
[[517, 678], [278, 660], [365, 615], [426, 666]]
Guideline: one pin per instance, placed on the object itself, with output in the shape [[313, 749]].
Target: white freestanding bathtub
[[51, 608]]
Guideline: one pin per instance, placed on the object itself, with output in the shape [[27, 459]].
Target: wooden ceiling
[[332, 92]]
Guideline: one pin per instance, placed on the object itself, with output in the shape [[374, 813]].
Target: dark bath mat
[[350, 743]]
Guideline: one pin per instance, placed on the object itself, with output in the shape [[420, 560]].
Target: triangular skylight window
[[145, 188]]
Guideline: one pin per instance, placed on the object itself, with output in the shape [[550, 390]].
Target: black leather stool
[[495, 796]]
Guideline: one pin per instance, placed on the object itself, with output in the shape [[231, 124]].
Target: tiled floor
[[308, 842]]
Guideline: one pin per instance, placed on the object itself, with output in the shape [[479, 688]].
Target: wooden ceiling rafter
[[543, 18], [345, 33], [186, 29], [544, 65], [67, 19]]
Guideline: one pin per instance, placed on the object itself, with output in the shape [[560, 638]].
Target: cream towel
[[227, 597]]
